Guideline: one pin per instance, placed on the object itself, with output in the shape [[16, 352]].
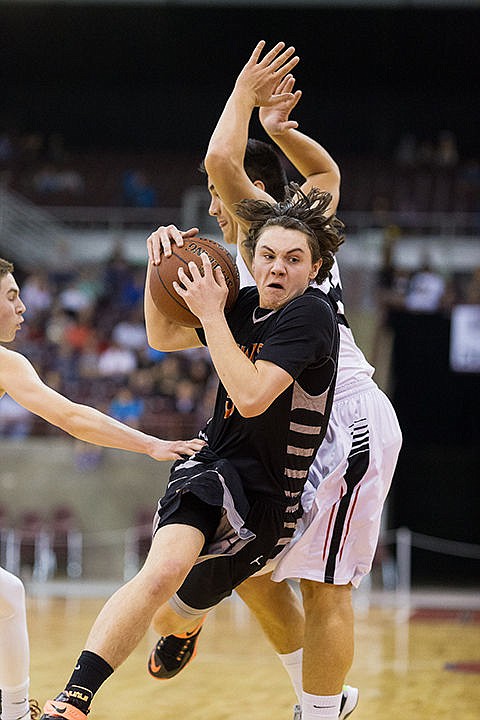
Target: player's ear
[[260, 185], [315, 268]]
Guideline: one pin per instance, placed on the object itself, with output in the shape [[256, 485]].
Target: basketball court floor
[[416, 657]]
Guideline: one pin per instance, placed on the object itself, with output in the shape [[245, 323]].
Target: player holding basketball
[[226, 510], [336, 539], [21, 382]]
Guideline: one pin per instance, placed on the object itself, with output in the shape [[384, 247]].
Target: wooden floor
[[400, 667]]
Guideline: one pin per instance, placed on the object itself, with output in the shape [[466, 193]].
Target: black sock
[[90, 673]]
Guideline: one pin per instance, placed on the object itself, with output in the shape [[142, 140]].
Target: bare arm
[[162, 334], [254, 86], [251, 386], [311, 160], [19, 379]]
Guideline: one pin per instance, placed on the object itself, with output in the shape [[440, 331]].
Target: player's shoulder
[[10, 358], [313, 300]]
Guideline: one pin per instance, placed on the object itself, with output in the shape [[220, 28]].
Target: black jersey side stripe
[[358, 461]]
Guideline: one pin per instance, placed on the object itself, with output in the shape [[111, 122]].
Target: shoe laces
[[173, 648]]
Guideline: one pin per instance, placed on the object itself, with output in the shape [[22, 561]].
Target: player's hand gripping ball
[[162, 277]]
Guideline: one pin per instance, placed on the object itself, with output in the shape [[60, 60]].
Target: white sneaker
[[297, 712], [348, 704]]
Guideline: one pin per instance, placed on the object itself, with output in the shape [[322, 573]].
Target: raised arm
[[254, 86], [311, 160], [19, 379]]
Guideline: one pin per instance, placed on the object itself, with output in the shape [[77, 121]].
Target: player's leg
[[126, 617], [328, 647], [179, 624], [278, 609], [14, 648], [177, 644]]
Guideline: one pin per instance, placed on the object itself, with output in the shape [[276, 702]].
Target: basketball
[[162, 277]]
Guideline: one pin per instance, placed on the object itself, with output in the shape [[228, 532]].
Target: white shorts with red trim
[[336, 539]]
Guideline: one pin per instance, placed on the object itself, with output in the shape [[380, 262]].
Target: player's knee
[[12, 594], [318, 596], [162, 583]]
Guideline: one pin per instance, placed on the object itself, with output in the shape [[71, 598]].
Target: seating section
[[42, 545]]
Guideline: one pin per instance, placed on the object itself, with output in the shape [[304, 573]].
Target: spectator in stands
[[137, 191], [79, 331], [446, 154], [75, 299], [88, 359], [391, 287], [51, 180], [117, 361], [425, 291], [186, 396], [66, 364], [167, 375], [121, 287], [127, 408], [130, 332], [57, 324], [38, 294], [15, 421]]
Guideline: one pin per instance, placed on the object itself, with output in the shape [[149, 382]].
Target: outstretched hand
[[160, 241], [175, 449], [261, 77], [275, 118]]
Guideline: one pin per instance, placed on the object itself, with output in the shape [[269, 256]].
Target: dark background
[[143, 77]]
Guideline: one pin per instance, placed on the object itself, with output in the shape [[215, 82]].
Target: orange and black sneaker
[[172, 653], [61, 708]]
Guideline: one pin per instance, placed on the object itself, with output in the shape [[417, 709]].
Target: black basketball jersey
[[273, 451]]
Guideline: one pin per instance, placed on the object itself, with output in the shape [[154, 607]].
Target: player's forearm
[[90, 425], [236, 372], [162, 333], [311, 160], [226, 149]]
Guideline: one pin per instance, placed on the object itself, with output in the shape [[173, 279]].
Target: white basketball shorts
[[336, 539]]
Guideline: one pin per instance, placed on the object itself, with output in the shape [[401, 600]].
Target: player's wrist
[[245, 95]]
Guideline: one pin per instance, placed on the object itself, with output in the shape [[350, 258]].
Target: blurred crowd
[[421, 175], [85, 334], [84, 330]]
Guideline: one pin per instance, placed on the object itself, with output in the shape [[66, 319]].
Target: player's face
[[11, 308], [282, 266], [225, 221]]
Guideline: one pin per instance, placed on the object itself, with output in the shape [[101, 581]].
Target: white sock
[[14, 650], [15, 702], [292, 662], [320, 706]]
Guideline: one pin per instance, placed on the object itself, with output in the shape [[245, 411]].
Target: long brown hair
[[299, 211]]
